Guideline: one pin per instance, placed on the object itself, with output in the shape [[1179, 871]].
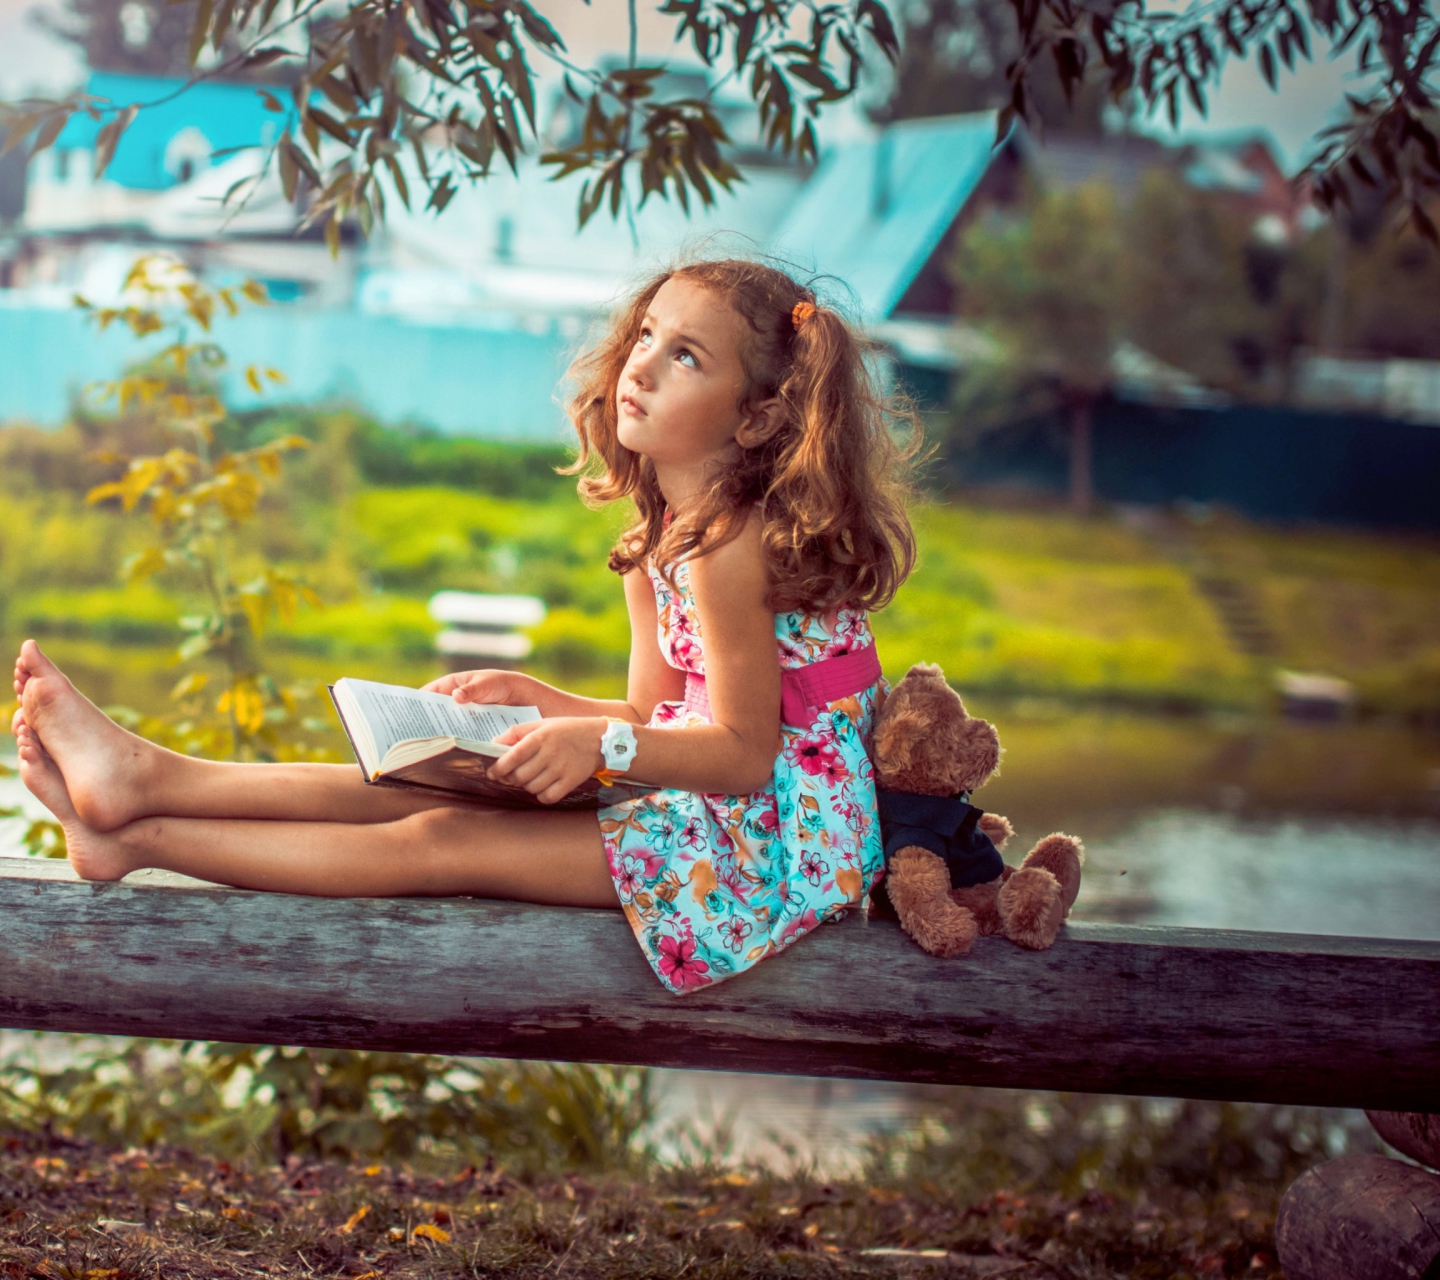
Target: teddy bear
[[945, 878]]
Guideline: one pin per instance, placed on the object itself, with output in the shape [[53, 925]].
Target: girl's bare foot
[[102, 766], [94, 855]]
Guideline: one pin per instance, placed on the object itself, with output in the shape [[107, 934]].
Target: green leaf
[[441, 194], [1267, 65], [109, 138], [195, 646], [49, 131], [201, 28], [537, 28], [263, 58]]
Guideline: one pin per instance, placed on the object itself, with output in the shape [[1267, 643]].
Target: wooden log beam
[[1110, 1008], [1361, 1218], [1413, 1133]]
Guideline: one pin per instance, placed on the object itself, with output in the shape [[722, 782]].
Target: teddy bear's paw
[[1062, 856], [919, 886], [980, 901], [916, 876], [1031, 908], [942, 928], [998, 828]]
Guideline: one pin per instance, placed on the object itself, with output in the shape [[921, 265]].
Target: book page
[[396, 714]]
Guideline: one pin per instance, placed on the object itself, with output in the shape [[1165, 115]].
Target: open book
[[429, 742]]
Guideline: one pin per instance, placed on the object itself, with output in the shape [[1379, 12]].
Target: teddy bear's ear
[[977, 755], [925, 670], [895, 739]]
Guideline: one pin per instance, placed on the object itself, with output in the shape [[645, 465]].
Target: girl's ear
[[763, 422]]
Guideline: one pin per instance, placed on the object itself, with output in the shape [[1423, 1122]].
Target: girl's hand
[[550, 758], [501, 688]]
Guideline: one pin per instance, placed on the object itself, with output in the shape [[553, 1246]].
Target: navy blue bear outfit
[[946, 825]]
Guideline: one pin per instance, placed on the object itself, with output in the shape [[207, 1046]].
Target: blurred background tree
[[1048, 288], [1383, 294], [955, 56], [1068, 282], [144, 37], [1211, 292]]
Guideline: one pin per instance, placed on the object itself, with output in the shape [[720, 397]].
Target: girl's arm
[[736, 753]]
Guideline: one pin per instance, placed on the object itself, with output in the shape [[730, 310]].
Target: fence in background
[[494, 382]]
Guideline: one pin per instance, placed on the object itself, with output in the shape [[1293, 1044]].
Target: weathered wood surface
[[1412, 1132], [1361, 1218], [1110, 1008]]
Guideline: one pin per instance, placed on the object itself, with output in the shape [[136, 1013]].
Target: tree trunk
[[1332, 311], [1361, 1218], [1082, 485]]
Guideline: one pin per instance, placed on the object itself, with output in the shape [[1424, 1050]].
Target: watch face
[[617, 745]]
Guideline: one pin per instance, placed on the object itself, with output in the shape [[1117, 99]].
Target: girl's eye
[[686, 357], [645, 338]]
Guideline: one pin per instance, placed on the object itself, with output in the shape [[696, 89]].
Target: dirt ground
[[75, 1211]]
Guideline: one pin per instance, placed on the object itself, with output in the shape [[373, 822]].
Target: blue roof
[[876, 210], [224, 115]]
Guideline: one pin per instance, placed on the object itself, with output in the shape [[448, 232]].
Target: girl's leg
[[527, 856], [114, 777]]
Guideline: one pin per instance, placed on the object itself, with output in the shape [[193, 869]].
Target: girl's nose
[[639, 371]]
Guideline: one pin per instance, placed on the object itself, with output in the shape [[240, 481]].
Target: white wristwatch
[[617, 745]]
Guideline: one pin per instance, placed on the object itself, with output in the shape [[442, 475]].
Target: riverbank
[[1147, 610]]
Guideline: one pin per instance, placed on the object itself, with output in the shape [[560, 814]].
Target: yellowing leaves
[[142, 564], [256, 607], [142, 475], [237, 493], [277, 591], [189, 686], [428, 1231], [355, 1219], [199, 492], [135, 387], [254, 375], [245, 704]]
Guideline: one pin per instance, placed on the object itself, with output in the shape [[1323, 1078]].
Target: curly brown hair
[[829, 476]]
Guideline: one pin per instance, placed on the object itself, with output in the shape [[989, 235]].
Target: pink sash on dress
[[805, 690]]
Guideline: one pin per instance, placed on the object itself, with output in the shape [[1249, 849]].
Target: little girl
[[738, 416]]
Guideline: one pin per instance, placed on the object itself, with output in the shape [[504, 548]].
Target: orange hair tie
[[802, 312]]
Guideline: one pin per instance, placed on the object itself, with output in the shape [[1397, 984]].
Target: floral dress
[[711, 884]]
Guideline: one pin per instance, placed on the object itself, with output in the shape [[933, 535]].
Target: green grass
[[1355, 605], [1011, 604]]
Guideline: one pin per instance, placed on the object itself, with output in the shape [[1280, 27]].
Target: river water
[[1236, 825]]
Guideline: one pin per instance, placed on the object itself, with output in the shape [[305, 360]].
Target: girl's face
[[678, 397]]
